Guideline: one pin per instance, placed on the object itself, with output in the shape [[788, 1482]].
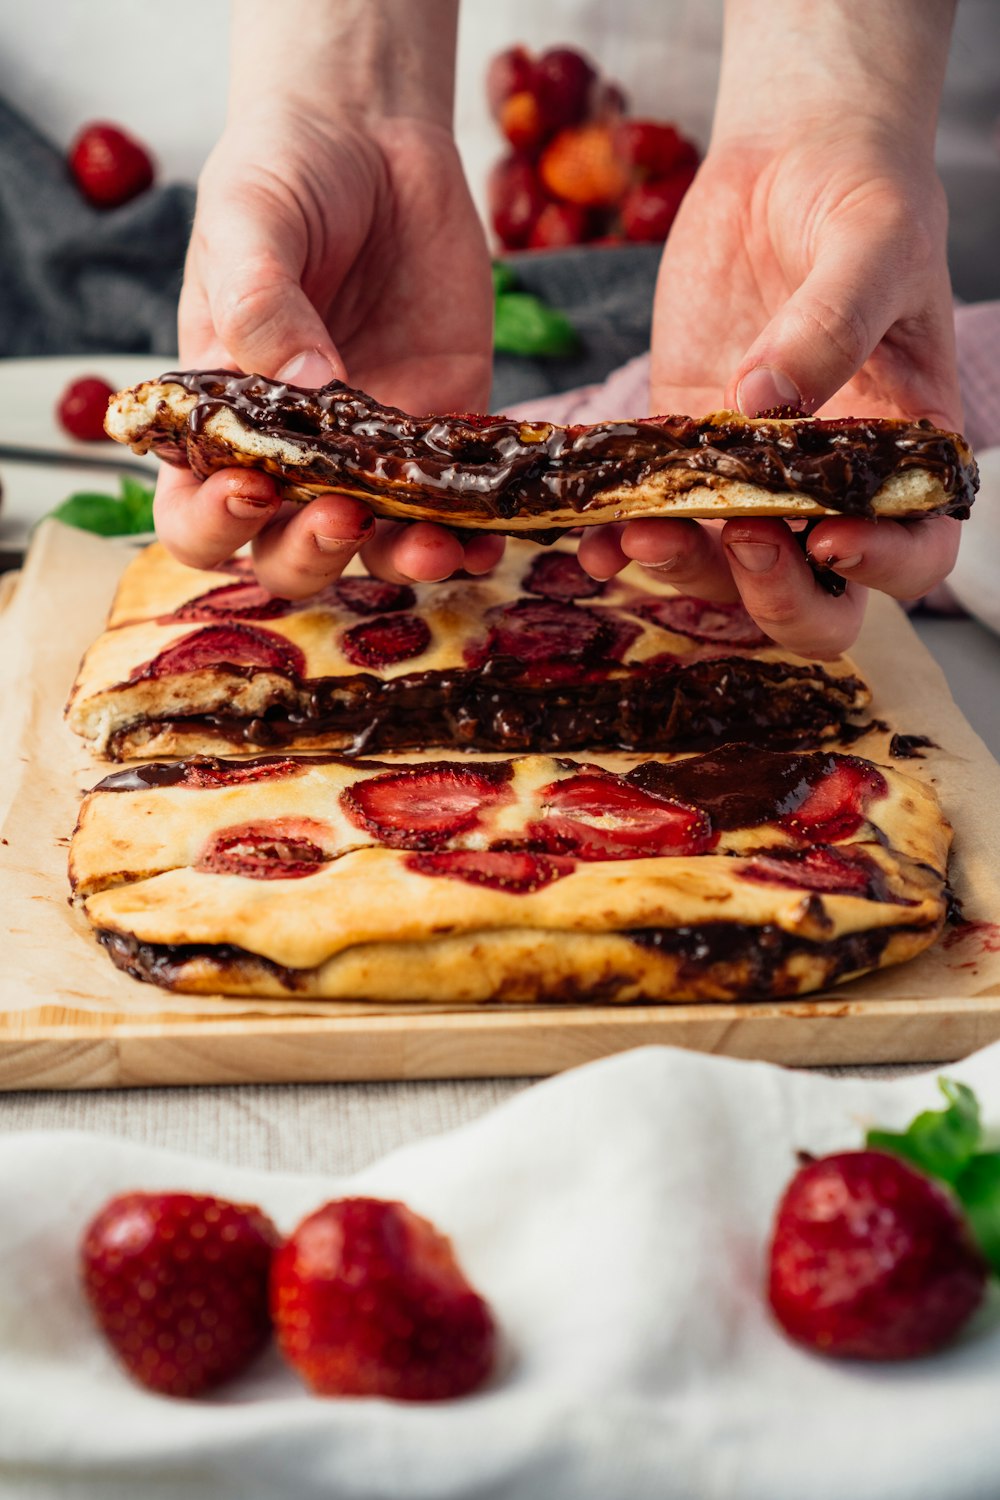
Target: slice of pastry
[[535, 478], [537, 656], [736, 874]]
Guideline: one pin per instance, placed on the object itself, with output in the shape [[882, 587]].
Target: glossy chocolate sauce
[[753, 957], [910, 746], [666, 705], [499, 468]]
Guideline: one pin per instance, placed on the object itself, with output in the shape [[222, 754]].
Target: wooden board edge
[[311, 1049]]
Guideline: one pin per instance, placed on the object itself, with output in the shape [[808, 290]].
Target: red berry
[[581, 166], [178, 1283], [522, 120], [564, 81], [870, 1260], [83, 406], [649, 208], [846, 872], [386, 640], [278, 849], [701, 620], [510, 72], [235, 601], [558, 575], [559, 225], [597, 815], [550, 631], [516, 198], [651, 149], [373, 596], [226, 645], [422, 807], [109, 166], [213, 772], [834, 806], [516, 871], [368, 1299]]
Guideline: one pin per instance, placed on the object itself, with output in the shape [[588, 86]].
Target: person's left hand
[[808, 271]]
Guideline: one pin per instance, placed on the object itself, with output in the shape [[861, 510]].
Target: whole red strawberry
[[870, 1260], [83, 406], [369, 1300], [178, 1284], [109, 166]]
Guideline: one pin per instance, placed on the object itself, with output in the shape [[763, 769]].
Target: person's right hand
[[322, 251]]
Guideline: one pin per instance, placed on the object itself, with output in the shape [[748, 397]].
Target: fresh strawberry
[[597, 815], [564, 81], [109, 166], [516, 871], [178, 1283], [386, 640], [422, 807], [649, 208], [368, 1299], [523, 121], [652, 149], [834, 806], [225, 645], [559, 225], [701, 620], [510, 72], [278, 849], [373, 596], [559, 576], [871, 1260], [581, 166], [83, 406], [235, 601], [516, 198]]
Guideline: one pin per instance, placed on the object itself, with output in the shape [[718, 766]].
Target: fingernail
[[661, 567], [309, 369], [766, 389], [844, 562], [245, 508], [337, 543], [756, 557]]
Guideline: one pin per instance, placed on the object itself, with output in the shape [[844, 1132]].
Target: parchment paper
[[49, 957]]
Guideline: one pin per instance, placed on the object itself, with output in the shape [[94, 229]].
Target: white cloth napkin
[[617, 1218]]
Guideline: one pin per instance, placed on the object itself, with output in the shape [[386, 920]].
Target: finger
[[312, 547], [684, 553], [203, 523], [420, 553], [600, 553], [903, 558], [250, 270], [779, 590], [483, 552]]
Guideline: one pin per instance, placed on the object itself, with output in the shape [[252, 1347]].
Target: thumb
[[255, 303], [822, 335]]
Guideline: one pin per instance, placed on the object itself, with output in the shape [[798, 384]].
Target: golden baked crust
[[537, 879], [629, 663], [498, 474]]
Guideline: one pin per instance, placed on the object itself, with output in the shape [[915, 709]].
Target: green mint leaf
[[978, 1189], [137, 500], [102, 514], [939, 1142], [503, 278], [524, 325]]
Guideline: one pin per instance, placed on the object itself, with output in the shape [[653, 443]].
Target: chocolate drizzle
[[496, 468]]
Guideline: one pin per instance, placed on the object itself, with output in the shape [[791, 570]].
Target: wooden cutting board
[[68, 1019]]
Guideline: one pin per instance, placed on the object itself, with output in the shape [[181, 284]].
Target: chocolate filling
[[756, 953], [663, 705], [498, 468]]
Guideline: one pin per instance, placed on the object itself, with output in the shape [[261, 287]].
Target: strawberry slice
[[703, 621], [834, 806], [178, 1283], [834, 871], [551, 633], [225, 646], [279, 849], [558, 575], [386, 640], [235, 601], [422, 807], [212, 772], [601, 816], [373, 596], [517, 871]]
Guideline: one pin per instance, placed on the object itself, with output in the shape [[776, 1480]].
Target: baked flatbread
[[537, 656], [536, 478], [731, 875]]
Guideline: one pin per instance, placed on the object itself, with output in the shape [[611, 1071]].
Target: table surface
[[339, 1128]]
